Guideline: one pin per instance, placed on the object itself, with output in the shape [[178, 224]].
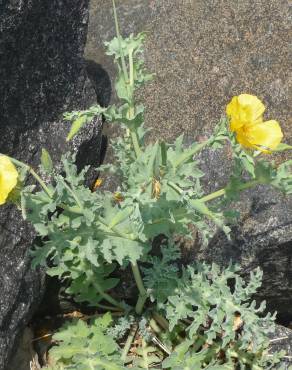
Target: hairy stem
[[135, 142], [222, 192], [131, 67], [72, 192], [115, 230], [124, 67], [217, 193], [175, 187], [142, 291], [131, 111], [34, 174]]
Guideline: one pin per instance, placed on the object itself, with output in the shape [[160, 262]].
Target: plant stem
[[217, 193], [129, 83], [163, 153], [131, 111], [221, 192], [160, 320], [124, 67], [131, 67], [144, 353], [135, 142], [106, 307], [129, 341], [115, 230], [154, 326], [175, 187], [72, 192], [107, 297], [34, 174], [142, 291], [140, 304]]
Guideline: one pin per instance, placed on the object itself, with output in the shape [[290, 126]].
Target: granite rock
[[202, 53], [262, 237], [42, 75], [281, 340]]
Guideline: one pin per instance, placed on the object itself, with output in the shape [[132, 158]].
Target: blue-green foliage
[[214, 306], [86, 235], [81, 233], [85, 347]]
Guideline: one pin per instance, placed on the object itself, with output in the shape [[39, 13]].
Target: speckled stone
[[203, 53], [42, 75]]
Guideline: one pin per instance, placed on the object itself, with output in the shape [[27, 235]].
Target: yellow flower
[[264, 136], [97, 184], [118, 197], [244, 110], [8, 177], [246, 120]]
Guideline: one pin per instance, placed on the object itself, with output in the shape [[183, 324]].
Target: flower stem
[[124, 67], [221, 192], [142, 291], [34, 174], [131, 111]]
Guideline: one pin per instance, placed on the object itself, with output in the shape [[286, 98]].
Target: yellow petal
[[264, 136], [8, 177], [252, 104], [97, 184], [244, 110]]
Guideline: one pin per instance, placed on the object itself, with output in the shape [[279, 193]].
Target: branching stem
[[217, 193]]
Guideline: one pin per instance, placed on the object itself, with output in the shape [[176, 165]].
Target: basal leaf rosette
[[8, 178], [245, 113]]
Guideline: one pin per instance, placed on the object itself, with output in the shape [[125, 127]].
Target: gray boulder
[[281, 340], [42, 75], [262, 237]]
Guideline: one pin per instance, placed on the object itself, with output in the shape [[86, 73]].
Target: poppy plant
[[246, 120]]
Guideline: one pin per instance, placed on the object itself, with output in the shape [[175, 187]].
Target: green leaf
[[40, 255], [282, 147], [78, 123], [85, 346], [46, 161], [283, 178], [122, 250]]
